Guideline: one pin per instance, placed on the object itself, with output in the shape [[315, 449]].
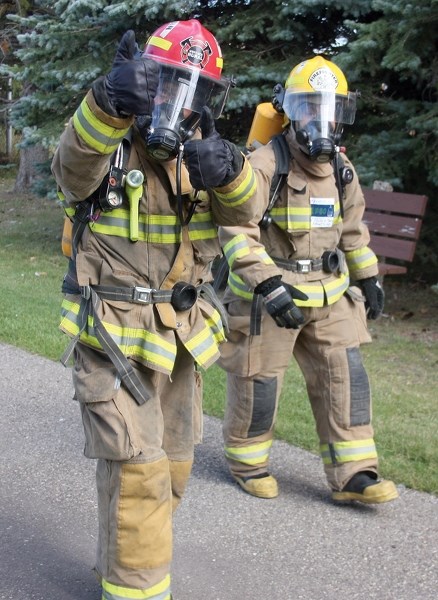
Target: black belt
[[299, 266], [330, 262], [136, 294]]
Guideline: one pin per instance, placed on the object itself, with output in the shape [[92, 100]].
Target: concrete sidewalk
[[228, 545]]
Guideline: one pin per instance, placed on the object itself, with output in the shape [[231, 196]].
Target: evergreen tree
[[386, 49], [393, 61]]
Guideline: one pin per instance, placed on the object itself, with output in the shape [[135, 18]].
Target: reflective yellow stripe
[[69, 210], [237, 247], [250, 455], [98, 135], [202, 227], [203, 347], [159, 42], [239, 287], [292, 217], [341, 452], [132, 342], [160, 591], [145, 345], [241, 193], [319, 293], [216, 326], [156, 229], [360, 259], [261, 252], [335, 289]]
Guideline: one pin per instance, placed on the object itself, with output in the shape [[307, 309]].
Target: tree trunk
[[30, 157]]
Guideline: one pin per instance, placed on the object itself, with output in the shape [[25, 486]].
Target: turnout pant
[[145, 455], [326, 349]]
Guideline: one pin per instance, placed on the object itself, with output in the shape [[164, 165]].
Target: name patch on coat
[[322, 212]]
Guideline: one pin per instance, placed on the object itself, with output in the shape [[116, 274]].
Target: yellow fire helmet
[[317, 75], [319, 81]]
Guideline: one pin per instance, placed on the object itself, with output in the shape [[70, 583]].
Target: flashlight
[[134, 190]]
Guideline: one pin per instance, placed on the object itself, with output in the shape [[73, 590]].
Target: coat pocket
[[106, 409], [357, 302]]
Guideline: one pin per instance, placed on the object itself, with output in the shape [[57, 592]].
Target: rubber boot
[[262, 486], [366, 487]]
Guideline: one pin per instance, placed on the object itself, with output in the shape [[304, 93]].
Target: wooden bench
[[394, 221]]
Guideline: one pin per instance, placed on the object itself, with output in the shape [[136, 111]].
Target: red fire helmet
[[186, 44]]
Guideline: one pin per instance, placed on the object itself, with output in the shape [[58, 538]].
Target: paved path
[[228, 545]]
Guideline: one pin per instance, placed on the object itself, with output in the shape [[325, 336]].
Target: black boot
[[366, 487]]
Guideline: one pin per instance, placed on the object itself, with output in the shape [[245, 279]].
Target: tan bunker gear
[[135, 347], [307, 221]]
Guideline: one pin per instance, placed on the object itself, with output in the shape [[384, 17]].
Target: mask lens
[[178, 103]]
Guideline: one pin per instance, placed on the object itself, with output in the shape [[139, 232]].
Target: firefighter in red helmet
[[146, 179]]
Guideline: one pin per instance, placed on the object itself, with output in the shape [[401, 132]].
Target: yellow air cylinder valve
[[266, 123]]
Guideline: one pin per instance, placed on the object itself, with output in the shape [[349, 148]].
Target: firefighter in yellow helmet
[[146, 179], [302, 281]]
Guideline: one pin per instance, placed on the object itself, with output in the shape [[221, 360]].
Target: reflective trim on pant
[[341, 452], [250, 455], [160, 591]]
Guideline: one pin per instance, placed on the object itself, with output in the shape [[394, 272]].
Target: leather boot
[[262, 485], [366, 487]]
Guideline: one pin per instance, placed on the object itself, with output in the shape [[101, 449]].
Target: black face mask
[[317, 148], [162, 142]]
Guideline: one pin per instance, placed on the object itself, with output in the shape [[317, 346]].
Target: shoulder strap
[[282, 160], [118, 166], [343, 176]]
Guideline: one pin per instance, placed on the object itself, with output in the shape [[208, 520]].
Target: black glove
[[132, 83], [212, 161], [374, 297], [278, 299]]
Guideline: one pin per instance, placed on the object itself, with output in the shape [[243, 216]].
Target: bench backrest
[[394, 221]]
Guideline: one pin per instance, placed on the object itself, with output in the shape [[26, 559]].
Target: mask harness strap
[[339, 183]]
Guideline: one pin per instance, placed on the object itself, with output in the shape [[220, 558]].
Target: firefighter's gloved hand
[[132, 83], [278, 298], [374, 297], [211, 162]]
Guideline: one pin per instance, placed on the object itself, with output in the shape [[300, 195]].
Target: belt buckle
[[304, 266], [85, 292], [142, 295]]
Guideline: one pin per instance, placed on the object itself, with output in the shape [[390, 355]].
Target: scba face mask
[[178, 104], [318, 122]]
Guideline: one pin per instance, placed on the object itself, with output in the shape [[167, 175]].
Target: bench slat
[[405, 227], [396, 202], [386, 247], [389, 269]]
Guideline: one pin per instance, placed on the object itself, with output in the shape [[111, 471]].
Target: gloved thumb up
[[127, 48], [207, 126], [212, 161], [132, 83]]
